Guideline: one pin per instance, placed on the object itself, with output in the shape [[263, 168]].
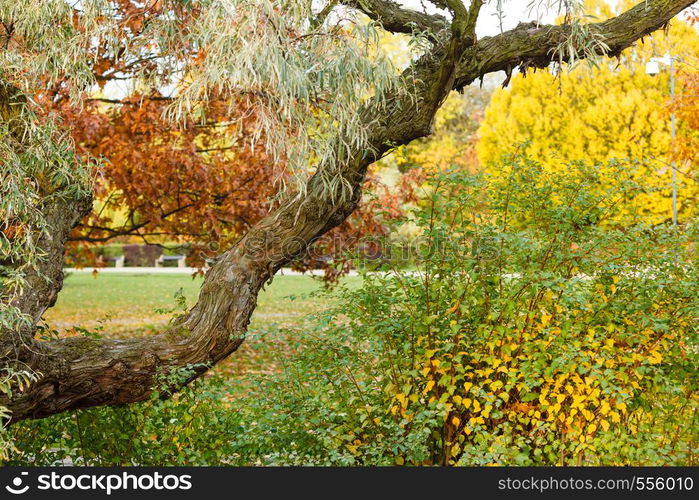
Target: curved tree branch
[[528, 46], [397, 19]]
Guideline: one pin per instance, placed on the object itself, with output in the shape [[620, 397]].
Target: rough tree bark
[[84, 372]]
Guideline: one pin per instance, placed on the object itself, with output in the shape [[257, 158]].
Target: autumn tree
[[213, 187], [327, 102], [614, 111], [686, 105], [198, 182]]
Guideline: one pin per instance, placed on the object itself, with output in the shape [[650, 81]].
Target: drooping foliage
[[203, 180]]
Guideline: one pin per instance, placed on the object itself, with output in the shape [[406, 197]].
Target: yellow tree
[[613, 111]]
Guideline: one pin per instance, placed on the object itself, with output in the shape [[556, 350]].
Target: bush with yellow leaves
[[535, 330]]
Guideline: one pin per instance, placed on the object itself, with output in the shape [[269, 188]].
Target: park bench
[[118, 260], [181, 260]]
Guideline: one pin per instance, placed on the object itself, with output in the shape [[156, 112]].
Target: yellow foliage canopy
[[595, 115]]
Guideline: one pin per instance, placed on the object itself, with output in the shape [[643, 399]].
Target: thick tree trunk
[[83, 372]]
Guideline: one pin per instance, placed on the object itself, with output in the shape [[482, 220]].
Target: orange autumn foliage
[[201, 183]]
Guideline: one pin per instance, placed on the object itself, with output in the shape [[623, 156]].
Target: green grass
[[125, 305], [131, 301]]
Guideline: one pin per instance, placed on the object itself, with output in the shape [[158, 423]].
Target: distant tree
[[614, 111], [326, 101], [686, 105]]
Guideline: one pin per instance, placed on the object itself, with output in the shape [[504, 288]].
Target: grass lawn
[[127, 304], [123, 302]]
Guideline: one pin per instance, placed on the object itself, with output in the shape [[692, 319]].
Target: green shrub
[[540, 328], [192, 428]]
